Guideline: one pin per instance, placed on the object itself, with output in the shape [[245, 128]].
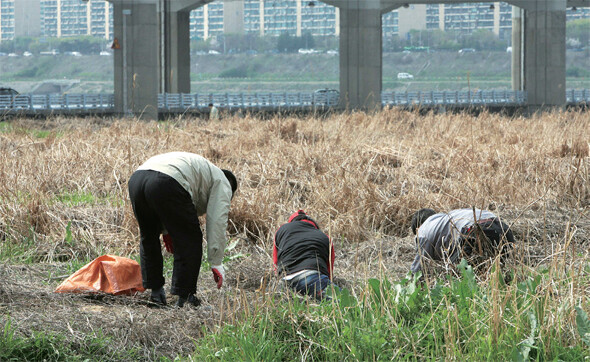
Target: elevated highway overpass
[[153, 53]]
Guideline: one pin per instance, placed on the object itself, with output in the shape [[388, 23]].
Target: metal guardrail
[[577, 96], [57, 102], [458, 98], [258, 100], [105, 103]]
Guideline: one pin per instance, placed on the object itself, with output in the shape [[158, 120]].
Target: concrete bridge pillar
[[152, 52], [136, 32], [176, 46], [539, 48], [360, 58], [177, 67], [517, 51], [361, 65]]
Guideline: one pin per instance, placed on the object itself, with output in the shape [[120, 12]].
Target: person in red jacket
[[304, 256]]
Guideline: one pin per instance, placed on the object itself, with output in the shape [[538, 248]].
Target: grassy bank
[[457, 319], [292, 72], [64, 202]]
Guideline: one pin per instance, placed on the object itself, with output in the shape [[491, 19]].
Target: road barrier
[[168, 102]]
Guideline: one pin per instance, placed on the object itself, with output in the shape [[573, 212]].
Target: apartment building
[[63, 18], [7, 27], [494, 16], [466, 18], [265, 17], [19, 18], [577, 13]]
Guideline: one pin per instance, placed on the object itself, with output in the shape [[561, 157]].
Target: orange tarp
[[108, 274]]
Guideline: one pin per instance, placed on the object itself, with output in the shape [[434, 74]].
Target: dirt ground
[[28, 301]]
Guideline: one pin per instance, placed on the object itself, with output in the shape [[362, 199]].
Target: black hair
[[210, 104], [496, 230], [304, 216], [419, 217], [232, 181]]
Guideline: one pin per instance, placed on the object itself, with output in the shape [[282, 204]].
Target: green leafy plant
[[42, 346], [69, 239], [227, 256], [583, 324]]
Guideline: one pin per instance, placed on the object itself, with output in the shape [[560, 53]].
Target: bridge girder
[[360, 44], [389, 5]]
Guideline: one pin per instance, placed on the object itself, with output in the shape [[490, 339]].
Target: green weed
[[41, 346], [5, 127], [41, 133], [205, 265], [19, 249], [406, 320], [77, 198]]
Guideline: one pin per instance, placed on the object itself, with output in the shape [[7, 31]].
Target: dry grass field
[[64, 201]]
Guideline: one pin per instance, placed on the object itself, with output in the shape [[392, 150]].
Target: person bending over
[[168, 194], [448, 236]]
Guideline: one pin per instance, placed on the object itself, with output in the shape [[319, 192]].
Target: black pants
[[160, 201]]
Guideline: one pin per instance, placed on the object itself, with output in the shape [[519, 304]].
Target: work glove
[[218, 275], [168, 243]]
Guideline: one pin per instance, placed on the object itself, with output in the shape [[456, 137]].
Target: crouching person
[[459, 233], [304, 256]]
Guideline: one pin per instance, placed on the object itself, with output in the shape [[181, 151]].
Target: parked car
[[307, 51], [466, 50], [6, 91], [105, 53], [11, 98], [27, 54], [404, 76], [51, 52], [326, 97]]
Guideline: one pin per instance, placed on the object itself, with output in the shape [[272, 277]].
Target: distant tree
[[392, 43], [290, 44], [414, 38], [482, 39], [284, 43], [241, 71], [331, 42], [580, 30], [308, 41], [19, 45], [433, 39], [7, 46], [84, 44], [442, 40], [199, 44]]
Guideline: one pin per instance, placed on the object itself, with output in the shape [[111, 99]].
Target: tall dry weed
[[357, 174]]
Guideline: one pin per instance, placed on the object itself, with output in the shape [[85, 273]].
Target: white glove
[[218, 274]]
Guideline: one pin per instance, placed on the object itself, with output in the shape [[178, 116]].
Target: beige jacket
[[209, 189]]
